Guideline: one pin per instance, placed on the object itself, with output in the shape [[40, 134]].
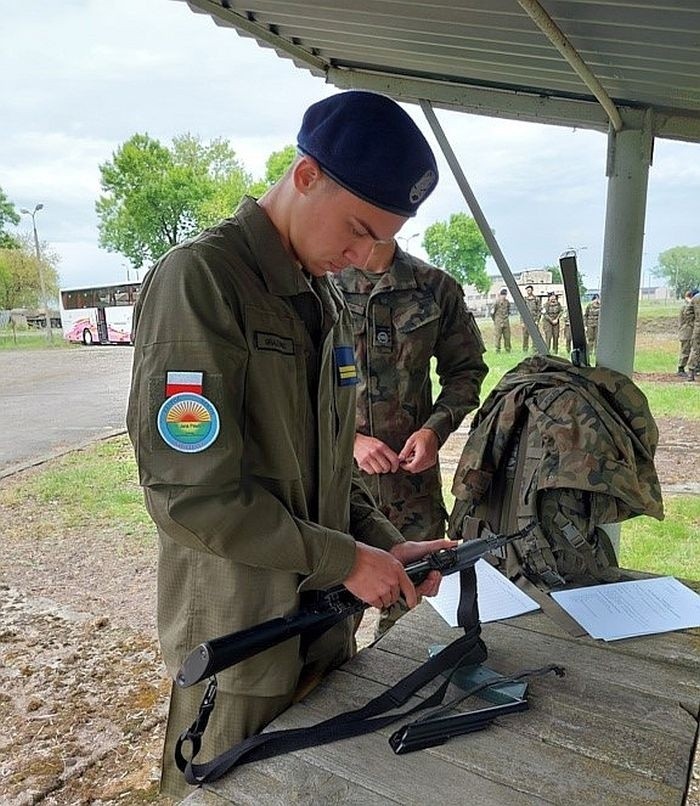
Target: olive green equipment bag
[[567, 448]]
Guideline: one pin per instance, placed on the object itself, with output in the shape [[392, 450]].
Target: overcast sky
[[79, 77]]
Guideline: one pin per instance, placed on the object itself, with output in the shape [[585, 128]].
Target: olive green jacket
[[403, 318], [267, 510]]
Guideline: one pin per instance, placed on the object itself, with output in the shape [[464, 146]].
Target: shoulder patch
[[188, 422]]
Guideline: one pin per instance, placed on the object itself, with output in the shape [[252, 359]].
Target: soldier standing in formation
[[694, 359], [501, 321], [686, 320], [567, 330], [405, 312], [242, 415], [590, 319], [534, 305], [550, 322]]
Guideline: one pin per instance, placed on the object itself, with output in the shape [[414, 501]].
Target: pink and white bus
[[99, 314]]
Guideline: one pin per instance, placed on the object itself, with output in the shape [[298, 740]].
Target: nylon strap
[[351, 723]]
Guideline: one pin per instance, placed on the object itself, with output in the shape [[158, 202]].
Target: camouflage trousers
[[502, 332], [550, 330]]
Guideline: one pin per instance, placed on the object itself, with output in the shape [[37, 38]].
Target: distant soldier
[[550, 322], [534, 305], [686, 319], [590, 319], [406, 312], [694, 360], [567, 330], [501, 321]]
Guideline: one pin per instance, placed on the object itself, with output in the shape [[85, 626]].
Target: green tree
[[8, 215], [275, 168], [155, 197], [680, 265], [459, 248], [20, 286]]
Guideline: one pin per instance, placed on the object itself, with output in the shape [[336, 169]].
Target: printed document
[[498, 597], [625, 609]]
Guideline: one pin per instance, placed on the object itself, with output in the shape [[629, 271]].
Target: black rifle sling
[[343, 726]]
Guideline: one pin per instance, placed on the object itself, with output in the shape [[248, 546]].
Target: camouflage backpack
[[568, 448]]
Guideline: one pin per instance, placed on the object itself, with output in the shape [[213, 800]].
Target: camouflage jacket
[[402, 319], [592, 314], [534, 305], [598, 434], [552, 311], [501, 311], [686, 320]]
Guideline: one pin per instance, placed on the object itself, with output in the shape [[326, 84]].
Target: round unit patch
[[188, 422]]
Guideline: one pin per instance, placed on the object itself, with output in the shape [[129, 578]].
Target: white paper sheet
[[498, 597], [625, 609]]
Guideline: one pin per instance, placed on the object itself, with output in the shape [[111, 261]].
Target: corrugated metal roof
[[489, 57]]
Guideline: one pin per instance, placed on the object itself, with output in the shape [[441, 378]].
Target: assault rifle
[[324, 609]]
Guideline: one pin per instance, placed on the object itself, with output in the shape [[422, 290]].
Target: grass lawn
[[32, 340], [96, 488]]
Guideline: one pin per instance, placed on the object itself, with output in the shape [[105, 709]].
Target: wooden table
[[620, 728]]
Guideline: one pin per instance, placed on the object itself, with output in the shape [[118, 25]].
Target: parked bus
[[99, 314]]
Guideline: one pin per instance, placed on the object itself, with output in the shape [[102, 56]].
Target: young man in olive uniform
[[686, 320], [534, 305], [501, 321], [242, 415], [406, 312], [550, 322], [590, 320]]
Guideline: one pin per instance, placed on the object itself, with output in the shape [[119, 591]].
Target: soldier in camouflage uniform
[[550, 322], [694, 360], [534, 305], [686, 319], [501, 321], [567, 331], [590, 320], [405, 312]]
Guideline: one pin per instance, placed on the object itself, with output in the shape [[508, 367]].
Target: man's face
[[330, 228], [529, 292]]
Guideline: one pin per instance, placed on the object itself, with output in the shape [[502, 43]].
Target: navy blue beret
[[371, 147]]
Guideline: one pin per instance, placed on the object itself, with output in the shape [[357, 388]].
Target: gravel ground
[[82, 690]]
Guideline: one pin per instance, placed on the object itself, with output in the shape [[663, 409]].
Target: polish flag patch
[[177, 382]]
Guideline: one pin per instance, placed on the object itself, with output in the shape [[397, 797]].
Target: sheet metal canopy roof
[[489, 56]]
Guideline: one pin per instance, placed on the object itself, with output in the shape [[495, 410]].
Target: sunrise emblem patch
[[188, 422]]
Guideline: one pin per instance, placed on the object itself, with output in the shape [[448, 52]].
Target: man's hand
[[412, 551], [374, 456], [378, 577], [420, 451]]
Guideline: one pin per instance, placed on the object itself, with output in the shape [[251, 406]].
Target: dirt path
[[82, 690]]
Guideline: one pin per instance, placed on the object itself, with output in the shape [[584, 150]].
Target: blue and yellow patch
[[345, 363]]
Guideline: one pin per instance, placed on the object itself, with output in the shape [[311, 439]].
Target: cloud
[[155, 67]]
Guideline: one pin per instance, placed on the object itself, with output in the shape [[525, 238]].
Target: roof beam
[[557, 37]]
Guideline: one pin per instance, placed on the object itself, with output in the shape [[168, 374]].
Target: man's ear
[[306, 174]]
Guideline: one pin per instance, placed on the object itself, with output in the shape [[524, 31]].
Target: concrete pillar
[[629, 158]]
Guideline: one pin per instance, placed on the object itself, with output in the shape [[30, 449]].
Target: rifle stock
[[328, 608]]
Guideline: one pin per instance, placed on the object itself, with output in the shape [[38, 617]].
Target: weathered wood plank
[[424, 627], [493, 767], [610, 732], [679, 648]]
